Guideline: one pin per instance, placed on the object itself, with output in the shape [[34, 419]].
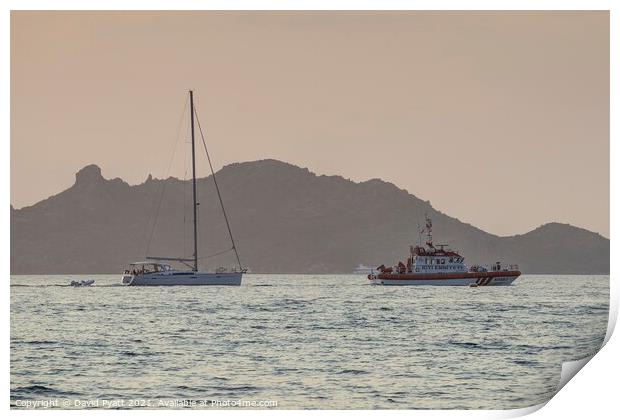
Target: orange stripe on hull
[[449, 276]]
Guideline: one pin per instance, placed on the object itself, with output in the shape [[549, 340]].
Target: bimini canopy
[[150, 263]]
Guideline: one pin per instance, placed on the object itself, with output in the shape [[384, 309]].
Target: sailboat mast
[[191, 112]]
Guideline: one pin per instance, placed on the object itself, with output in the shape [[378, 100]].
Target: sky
[[500, 119]]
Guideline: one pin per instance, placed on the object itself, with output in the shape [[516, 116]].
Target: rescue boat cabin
[[433, 260]]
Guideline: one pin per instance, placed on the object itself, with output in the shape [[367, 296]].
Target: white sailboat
[[156, 271]]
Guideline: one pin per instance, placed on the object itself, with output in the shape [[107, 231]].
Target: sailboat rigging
[[157, 272]]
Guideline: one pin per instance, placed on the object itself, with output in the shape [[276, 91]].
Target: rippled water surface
[[304, 341]]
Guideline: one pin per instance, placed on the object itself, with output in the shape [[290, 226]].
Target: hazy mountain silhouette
[[285, 220]]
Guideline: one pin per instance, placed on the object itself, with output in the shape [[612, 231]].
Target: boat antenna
[[419, 232], [429, 231], [191, 113], [217, 189]]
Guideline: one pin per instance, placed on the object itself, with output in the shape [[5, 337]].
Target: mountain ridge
[[278, 212]]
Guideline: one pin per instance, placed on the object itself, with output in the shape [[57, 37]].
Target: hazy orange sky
[[500, 119]]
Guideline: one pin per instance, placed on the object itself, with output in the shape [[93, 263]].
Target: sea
[[298, 342]]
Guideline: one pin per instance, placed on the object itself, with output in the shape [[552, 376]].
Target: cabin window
[[451, 259], [443, 260]]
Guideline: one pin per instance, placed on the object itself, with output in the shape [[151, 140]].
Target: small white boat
[[81, 283]]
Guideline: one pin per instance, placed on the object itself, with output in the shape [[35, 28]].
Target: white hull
[[482, 281], [183, 278]]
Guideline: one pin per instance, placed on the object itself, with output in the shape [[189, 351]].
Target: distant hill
[[285, 219]]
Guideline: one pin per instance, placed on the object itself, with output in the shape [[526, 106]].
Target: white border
[[311, 5], [593, 393]]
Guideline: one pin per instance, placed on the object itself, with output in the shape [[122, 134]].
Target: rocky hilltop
[[285, 219]]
